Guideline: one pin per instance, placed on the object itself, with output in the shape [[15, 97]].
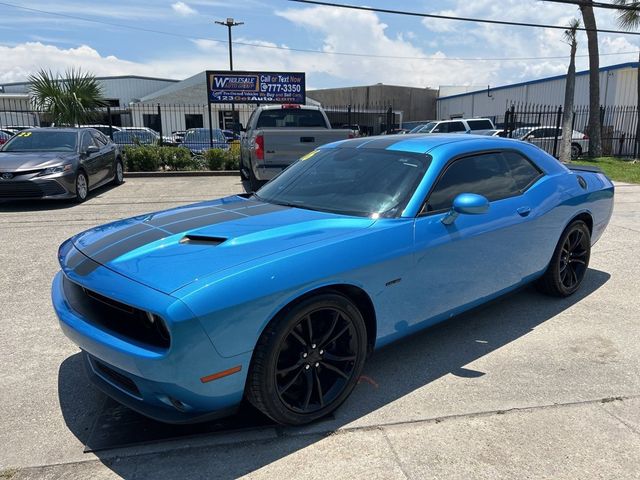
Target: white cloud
[[183, 9]]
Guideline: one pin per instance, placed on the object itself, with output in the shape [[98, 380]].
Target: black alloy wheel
[[308, 361], [570, 261]]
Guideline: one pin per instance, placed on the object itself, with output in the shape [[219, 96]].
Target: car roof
[[58, 129], [416, 142]]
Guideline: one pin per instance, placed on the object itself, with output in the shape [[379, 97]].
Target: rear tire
[[576, 151], [308, 360], [243, 176], [82, 187], [569, 263], [254, 183]]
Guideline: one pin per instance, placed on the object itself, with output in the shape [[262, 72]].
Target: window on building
[[152, 121], [193, 120]]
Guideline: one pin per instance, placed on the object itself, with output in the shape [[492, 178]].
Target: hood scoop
[[202, 240]]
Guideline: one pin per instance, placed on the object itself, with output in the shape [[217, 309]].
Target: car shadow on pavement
[[391, 373], [18, 206]]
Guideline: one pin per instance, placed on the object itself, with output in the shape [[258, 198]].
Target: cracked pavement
[[526, 387]]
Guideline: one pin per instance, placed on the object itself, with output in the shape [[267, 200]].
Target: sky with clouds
[[177, 39]]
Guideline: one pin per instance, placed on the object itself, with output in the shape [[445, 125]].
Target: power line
[[584, 3], [302, 50], [459, 19]]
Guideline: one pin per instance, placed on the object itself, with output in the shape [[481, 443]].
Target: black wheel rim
[[317, 360], [573, 259]]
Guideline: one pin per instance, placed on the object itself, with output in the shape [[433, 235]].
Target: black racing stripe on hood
[[128, 245], [114, 237], [131, 238], [203, 221], [190, 212], [85, 267]]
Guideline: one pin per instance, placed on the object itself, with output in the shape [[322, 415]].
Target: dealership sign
[[256, 87]]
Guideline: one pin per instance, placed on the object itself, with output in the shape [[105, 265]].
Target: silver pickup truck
[[278, 135]]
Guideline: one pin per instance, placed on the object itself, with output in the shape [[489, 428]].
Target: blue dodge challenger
[[279, 296]]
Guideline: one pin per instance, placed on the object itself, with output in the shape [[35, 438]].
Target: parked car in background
[[4, 137], [230, 135], [277, 135], [102, 128], [134, 137], [279, 297], [458, 125], [8, 132], [395, 131], [197, 140], [18, 128], [498, 132], [56, 163], [356, 130], [544, 137], [417, 128]]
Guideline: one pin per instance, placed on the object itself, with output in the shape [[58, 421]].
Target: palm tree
[[629, 20], [71, 100], [593, 126], [570, 87]]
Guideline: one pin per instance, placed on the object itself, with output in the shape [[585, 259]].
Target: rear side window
[[456, 127], [494, 175], [479, 124], [524, 173], [291, 117]]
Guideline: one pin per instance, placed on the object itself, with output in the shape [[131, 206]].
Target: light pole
[[230, 23]]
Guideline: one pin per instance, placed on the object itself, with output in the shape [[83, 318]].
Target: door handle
[[524, 211]]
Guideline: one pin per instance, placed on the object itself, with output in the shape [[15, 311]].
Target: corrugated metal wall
[[617, 87], [125, 89]]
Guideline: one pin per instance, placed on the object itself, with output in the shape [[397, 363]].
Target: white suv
[[458, 125]]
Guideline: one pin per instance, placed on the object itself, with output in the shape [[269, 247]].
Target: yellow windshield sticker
[[24, 134], [308, 155]]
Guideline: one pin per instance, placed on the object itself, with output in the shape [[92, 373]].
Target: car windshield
[[428, 127], [521, 132], [126, 137], [349, 181], [291, 117], [198, 136], [42, 140]]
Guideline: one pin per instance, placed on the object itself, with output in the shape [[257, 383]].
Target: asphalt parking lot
[[527, 387]]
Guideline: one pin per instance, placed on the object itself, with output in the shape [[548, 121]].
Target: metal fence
[[166, 123], [541, 124], [366, 121]]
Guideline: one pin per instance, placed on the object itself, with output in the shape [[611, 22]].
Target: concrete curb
[[197, 173]]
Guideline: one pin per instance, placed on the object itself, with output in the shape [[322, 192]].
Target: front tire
[[308, 360], [118, 177], [82, 187], [569, 263]]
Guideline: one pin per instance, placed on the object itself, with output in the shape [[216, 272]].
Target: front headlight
[[58, 169]]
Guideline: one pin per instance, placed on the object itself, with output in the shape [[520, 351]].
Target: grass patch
[[615, 168]]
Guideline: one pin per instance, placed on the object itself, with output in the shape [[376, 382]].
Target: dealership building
[[618, 87]]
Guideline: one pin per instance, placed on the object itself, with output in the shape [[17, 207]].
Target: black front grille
[[117, 318], [26, 189], [117, 378]]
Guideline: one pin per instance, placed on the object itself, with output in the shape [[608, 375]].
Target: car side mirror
[[91, 149], [468, 204]]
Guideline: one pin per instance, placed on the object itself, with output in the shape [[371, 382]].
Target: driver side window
[[484, 174], [86, 141]]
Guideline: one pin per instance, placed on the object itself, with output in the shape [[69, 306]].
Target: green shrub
[[142, 158], [232, 157], [176, 158], [215, 158]]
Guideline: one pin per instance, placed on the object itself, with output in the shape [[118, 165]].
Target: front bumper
[[22, 187], [164, 384]]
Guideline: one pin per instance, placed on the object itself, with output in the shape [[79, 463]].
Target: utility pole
[[230, 23]]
